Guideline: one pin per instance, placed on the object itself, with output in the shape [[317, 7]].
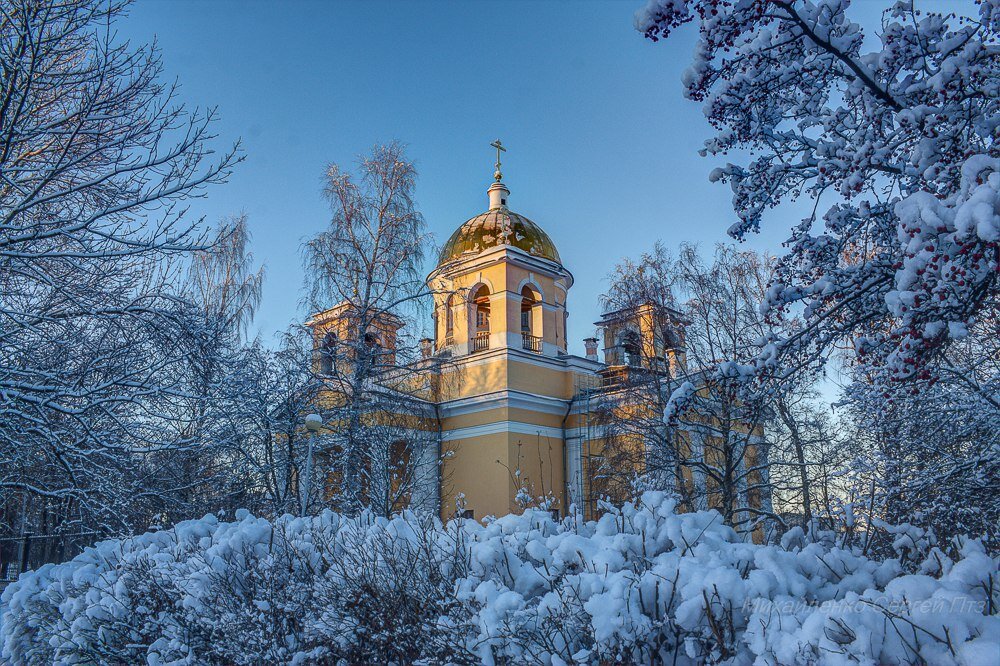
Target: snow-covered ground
[[642, 584]]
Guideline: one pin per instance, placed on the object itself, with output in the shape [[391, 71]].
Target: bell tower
[[500, 315], [500, 284]]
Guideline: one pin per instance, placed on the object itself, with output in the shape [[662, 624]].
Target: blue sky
[[602, 144]]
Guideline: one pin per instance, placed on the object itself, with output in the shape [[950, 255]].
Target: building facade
[[514, 418]]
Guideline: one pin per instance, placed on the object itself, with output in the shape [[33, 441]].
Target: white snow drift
[[641, 584]]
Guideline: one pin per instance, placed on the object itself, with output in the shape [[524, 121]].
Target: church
[[507, 417]]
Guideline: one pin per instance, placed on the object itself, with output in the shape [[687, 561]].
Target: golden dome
[[496, 227]]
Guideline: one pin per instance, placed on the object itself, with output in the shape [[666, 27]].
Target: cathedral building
[[509, 414]]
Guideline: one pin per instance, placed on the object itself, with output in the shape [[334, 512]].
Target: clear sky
[[602, 146]]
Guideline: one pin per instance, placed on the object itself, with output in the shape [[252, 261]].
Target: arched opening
[[631, 346], [373, 350], [527, 302], [328, 353], [449, 318], [481, 303], [530, 320]]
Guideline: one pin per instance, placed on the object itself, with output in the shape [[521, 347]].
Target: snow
[[890, 131], [642, 583], [678, 401], [941, 267]]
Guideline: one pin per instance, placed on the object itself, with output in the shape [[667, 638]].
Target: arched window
[[482, 302], [531, 320], [527, 303], [632, 346], [328, 352], [372, 340], [449, 316]]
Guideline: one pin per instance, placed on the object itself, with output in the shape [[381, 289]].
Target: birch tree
[[640, 449], [367, 263], [724, 450], [706, 449], [703, 445], [220, 292], [266, 447]]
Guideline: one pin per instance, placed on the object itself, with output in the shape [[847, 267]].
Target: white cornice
[[510, 354], [499, 254], [521, 428], [515, 427], [513, 354], [505, 398], [582, 363]]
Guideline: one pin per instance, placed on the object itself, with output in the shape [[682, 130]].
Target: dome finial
[[498, 191], [497, 176]]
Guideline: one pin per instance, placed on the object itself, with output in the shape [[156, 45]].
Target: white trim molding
[[501, 399], [515, 427]]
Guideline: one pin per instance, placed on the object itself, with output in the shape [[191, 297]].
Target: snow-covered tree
[[639, 450], [725, 449], [929, 451], [891, 134], [809, 453], [707, 446], [220, 292], [97, 157], [366, 266], [798, 458], [266, 448]]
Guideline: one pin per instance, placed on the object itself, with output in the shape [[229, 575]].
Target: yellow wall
[[493, 371], [505, 278], [501, 414], [489, 469]]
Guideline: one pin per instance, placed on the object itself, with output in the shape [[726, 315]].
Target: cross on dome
[[497, 176], [498, 227], [498, 191]]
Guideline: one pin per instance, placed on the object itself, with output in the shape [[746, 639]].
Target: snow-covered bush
[[638, 585]]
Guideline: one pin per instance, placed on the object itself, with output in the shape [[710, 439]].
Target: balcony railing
[[481, 341], [614, 378], [532, 343], [447, 342]]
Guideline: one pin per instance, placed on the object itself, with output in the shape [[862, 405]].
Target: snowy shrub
[[639, 585]]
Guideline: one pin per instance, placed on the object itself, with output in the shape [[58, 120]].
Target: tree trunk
[[800, 460]]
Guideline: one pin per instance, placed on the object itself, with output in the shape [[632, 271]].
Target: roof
[[495, 228], [341, 310], [629, 311]]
